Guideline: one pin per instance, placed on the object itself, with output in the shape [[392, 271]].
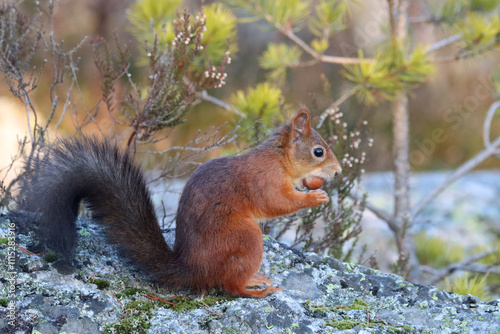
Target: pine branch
[[321, 57], [303, 45], [207, 97]]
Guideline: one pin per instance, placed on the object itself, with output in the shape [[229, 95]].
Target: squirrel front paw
[[319, 197]]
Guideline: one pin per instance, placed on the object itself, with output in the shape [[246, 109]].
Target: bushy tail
[[113, 188]]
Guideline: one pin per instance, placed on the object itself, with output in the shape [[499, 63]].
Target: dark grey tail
[[113, 188]]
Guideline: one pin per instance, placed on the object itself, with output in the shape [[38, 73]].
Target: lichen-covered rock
[[320, 295]]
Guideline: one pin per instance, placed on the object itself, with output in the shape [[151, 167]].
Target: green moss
[[330, 287], [358, 304], [84, 233], [316, 308], [140, 311], [101, 283], [136, 319], [144, 306], [424, 304], [129, 325], [399, 329], [51, 257], [4, 241], [4, 302], [181, 303], [129, 292], [344, 323], [176, 304]]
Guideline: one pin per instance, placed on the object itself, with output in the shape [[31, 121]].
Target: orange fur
[[217, 234]]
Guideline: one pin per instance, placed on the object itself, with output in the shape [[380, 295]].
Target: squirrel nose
[[338, 170]]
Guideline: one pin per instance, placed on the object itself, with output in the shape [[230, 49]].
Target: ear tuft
[[301, 123]]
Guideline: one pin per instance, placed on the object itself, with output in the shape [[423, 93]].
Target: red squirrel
[[218, 242]]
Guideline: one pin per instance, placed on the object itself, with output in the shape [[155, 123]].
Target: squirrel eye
[[318, 152]]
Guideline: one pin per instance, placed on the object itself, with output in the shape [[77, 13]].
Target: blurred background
[[453, 102]]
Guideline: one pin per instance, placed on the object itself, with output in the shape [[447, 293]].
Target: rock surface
[[102, 293]]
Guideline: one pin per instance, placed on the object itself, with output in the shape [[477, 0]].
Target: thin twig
[[444, 42], [464, 168], [380, 213], [206, 97], [334, 107], [480, 268], [487, 123], [211, 311], [24, 250], [26, 99], [461, 264], [425, 19], [114, 294], [375, 316]]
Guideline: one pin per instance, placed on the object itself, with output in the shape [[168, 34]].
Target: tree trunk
[[400, 119], [401, 140]]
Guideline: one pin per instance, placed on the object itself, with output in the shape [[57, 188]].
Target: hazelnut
[[313, 182]]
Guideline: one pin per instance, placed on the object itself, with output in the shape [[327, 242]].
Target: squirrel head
[[308, 152]]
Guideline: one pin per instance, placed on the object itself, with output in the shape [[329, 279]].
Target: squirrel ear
[[301, 123]]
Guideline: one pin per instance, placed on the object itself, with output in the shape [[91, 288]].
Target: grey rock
[[320, 295], [80, 326], [46, 328]]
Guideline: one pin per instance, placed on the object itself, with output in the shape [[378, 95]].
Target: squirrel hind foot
[[244, 292], [259, 280], [240, 289]]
